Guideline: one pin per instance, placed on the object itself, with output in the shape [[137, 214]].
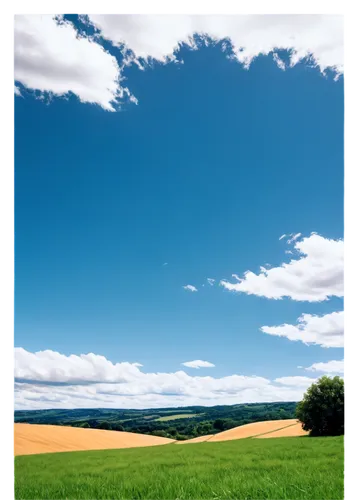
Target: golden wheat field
[[290, 431], [251, 430], [31, 439]]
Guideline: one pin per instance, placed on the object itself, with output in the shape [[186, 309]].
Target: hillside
[[175, 423], [32, 439]]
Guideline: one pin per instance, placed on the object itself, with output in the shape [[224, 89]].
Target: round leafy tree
[[322, 409]]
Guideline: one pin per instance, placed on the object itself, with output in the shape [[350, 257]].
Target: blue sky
[[204, 174]]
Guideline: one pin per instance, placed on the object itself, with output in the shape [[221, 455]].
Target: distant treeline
[[200, 420]]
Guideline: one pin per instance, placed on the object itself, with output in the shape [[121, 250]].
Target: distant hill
[[175, 423]]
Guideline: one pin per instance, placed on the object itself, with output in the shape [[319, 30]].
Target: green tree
[[172, 431], [322, 409], [117, 427], [159, 433], [204, 428], [219, 424], [105, 425]]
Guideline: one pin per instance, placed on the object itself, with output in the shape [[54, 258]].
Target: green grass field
[[178, 415], [251, 469]]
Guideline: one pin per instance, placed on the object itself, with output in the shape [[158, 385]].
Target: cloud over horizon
[[48, 379], [51, 57]]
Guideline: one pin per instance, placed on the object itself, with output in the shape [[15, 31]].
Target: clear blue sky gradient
[[206, 173]]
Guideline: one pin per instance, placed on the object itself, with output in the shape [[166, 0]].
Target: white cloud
[[315, 275], [282, 237], [326, 331], [44, 365], [294, 237], [159, 36], [328, 367], [48, 379], [17, 91], [302, 382], [51, 57], [191, 288], [280, 63], [211, 281], [198, 363]]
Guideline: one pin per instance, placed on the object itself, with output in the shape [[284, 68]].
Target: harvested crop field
[[252, 430], [290, 431], [199, 439], [31, 439]]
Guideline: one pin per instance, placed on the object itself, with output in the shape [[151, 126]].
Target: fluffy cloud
[[159, 36], [51, 57], [191, 288], [198, 363], [48, 379], [50, 366], [328, 367], [315, 275], [326, 331]]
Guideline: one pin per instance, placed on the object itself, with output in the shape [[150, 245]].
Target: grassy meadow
[[178, 416], [251, 469]]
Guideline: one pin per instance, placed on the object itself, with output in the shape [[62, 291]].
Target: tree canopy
[[322, 409]]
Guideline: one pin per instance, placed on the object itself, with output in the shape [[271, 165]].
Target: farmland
[[172, 423], [177, 416]]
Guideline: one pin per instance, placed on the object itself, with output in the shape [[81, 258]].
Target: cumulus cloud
[[45, 366], [159, 36], [198, 363], [191, 288], [314, 275], [326, 331], [328, 367], [48, 379], [211, 281], [51, 57]]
